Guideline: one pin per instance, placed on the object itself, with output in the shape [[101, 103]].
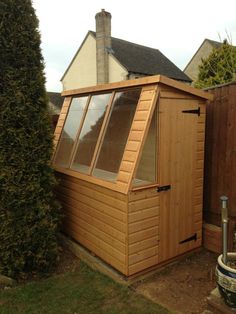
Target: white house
[[105, 59]]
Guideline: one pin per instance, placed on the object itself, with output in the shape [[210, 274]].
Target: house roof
[[144, 60], [140, 59], [213, 43]]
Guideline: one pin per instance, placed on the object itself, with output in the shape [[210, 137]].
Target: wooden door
[[177, 163]]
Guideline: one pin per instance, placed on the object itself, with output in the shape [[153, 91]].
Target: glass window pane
[[90, 131], [116, 135], [146, 172], [70, 130]]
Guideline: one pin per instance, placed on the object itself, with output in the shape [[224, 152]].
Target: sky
[[176, 27]]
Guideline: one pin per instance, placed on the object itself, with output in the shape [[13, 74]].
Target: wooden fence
[[220, 155]]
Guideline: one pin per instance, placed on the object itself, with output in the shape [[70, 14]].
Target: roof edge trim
[[141, 81]]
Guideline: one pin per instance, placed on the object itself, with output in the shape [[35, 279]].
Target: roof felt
[[144, 60]]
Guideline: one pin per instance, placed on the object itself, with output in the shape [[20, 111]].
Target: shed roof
[[141, 81]]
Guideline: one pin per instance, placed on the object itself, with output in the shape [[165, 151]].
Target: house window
[[90, 132], [117, 131], [72, 124], [147, 168]]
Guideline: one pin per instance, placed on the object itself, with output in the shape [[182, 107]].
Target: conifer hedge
[[29, 214], [219, 67]]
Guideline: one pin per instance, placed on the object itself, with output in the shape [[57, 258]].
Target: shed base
[[97, 264], [92, 260]]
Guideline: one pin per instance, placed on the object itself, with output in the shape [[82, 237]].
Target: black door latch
[[193, 237], [163, 188], [193, 111]]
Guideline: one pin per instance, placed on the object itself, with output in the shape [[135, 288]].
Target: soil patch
[[184, 286], [68, 262]]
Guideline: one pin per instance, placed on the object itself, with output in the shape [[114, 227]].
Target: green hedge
[[219, 67], [29, 214]]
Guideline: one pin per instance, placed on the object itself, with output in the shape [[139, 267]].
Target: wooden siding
[[137, 135], [198, 174], [220, 161], [170, 93], [212, 238], [61, 120], [143, 226], [97, 218], [196, 220]]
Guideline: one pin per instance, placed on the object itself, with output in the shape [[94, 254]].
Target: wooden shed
[[130, 160]]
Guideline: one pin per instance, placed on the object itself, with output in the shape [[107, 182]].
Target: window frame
[[155, 182], [89, 177], [74, 150], [78, 131], [108, 120], [76, 143]]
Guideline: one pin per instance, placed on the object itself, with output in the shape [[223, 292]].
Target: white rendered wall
[[82, 71]]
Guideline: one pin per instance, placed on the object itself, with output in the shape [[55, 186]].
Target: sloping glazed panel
[[68, 136], [117, 131], [147, 168], [90, 132]]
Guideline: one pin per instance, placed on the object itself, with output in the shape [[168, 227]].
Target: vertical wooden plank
[[230, 171], [220, 161], [164, 178], [127, 237], [178, 167]]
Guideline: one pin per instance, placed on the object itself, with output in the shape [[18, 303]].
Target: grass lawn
[[83, 291]]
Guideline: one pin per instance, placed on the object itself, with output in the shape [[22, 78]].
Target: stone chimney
[[103, 45]]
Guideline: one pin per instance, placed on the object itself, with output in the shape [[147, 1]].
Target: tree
[[29, 214], [219, 67]]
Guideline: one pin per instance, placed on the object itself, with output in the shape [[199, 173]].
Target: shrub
[[29, 214], [219, 67]]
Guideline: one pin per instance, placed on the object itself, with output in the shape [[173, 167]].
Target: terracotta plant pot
[[226, 279]]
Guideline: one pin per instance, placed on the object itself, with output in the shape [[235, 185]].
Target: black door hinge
[[193, 111], [163, 188], [194, 237]]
